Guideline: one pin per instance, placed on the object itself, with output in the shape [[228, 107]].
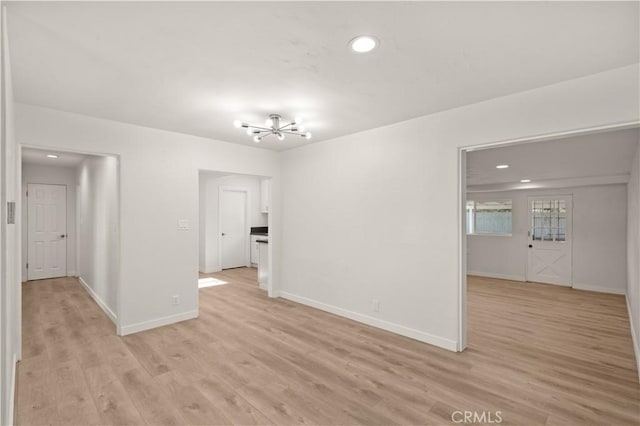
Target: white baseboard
[[72, 274], [158, 322], [497, 276], [599, 289], [634, 337], [210, 271], [375, 322], [12, 395], [112, 316]]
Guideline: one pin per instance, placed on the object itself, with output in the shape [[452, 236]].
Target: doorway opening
[[234, 230], [71, 227], [538, 215]]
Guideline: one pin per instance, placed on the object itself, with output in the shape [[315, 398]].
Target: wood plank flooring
[[539, 354]]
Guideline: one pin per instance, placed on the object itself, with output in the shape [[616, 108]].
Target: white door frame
[[462, 205], [247, 245]]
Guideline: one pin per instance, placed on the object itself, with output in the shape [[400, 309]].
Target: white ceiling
[[594, 155], [39, 157], [194, 67]]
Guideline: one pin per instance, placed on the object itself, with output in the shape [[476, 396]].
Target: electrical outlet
[[375, 305], [183, 224], [176, 300]]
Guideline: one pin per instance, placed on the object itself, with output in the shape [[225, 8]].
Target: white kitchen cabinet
[[264, 195], [254, 249]]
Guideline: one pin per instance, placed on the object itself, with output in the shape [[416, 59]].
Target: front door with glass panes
[[549, 242]]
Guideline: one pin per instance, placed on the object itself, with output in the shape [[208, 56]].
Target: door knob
[[530, 246], [63, 236], [223, 234]]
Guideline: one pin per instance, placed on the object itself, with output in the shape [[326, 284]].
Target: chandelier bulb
[[297, 120], [307, 135], [280, 136], [250, 131], [257, 139], [268, 122], [237, 124]]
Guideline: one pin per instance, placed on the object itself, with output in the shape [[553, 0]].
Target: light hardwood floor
[[539, 354]]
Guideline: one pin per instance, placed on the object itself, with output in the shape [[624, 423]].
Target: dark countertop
[[260, 230]]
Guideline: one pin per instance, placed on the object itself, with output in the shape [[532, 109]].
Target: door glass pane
[[562, 229], [548, 220], [537, 233]]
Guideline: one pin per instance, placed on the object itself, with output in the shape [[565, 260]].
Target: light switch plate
[[11, 212], [183, 224]]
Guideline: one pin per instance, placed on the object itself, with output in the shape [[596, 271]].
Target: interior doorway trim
[[247, 226], [462, 201]]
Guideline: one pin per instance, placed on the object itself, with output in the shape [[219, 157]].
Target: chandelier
[[274, 126]]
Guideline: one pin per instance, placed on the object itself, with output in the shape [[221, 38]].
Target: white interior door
[[46, 231], [233, 228], [550, 237]]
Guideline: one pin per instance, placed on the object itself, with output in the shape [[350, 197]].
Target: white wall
[[33, 173], [633, 253], [99, 235], [358, 215], [209, 210], [599, 238], [375, 215], [10, 290], [158, 186]]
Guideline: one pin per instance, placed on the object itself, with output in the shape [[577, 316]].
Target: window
[[549, 220], [489, 217]]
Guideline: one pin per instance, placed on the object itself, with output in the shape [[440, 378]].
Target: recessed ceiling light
[[363, 44], [525, 180], [502, 166], [52, 156]]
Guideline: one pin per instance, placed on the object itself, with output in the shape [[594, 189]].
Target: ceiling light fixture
[[363, 44], [274, 126], [502, 166], [525, 180], [52, 156]]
